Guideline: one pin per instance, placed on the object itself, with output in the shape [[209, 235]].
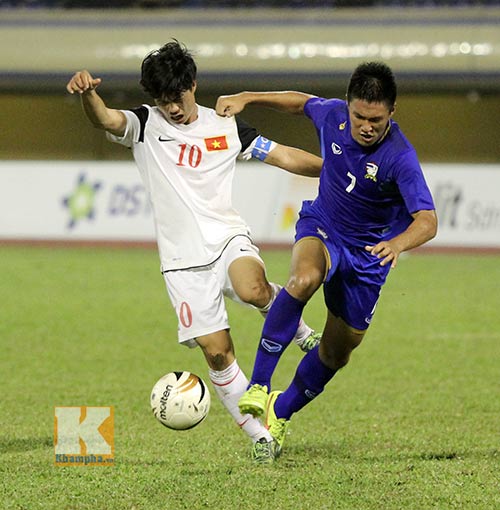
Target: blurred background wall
[[446, 57]]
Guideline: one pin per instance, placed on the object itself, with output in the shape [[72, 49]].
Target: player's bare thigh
[[309, 265], [338, 341]]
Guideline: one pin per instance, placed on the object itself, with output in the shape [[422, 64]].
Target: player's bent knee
[[257, 294], [305, 285], [335, 360], [336, 353], [218, 349]]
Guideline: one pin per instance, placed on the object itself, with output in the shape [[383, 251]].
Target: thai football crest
[[371, 171]]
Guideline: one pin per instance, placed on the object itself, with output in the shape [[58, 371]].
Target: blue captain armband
[[262, 147]]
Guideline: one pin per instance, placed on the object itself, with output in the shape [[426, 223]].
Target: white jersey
[[188, 171]]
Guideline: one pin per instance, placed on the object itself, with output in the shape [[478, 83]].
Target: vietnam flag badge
[[216, 143]]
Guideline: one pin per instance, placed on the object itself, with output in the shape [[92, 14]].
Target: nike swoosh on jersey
[[161, 139]]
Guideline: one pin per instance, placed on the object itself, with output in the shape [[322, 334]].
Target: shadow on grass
[[24, 444], [335, 451]]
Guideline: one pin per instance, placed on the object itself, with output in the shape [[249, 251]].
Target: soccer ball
[[180, 400]]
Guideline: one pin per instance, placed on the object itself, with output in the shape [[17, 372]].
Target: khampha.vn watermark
[[84, 436]]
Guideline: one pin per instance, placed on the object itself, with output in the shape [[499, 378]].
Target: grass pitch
[[413, 422]]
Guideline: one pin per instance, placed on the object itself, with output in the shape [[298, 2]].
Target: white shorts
[[198, 294]]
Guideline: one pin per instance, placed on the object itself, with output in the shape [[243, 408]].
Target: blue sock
[[279, 329], [309, 381]]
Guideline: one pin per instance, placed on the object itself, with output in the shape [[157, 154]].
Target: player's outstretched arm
[[295, 161], [101, 117], [286, 101]]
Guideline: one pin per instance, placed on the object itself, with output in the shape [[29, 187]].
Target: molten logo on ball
[[180, 400]]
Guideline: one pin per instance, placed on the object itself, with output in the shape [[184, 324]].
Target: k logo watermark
[[84, 436]]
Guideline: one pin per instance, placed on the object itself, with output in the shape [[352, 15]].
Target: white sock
[[303, 331], [230, 384]]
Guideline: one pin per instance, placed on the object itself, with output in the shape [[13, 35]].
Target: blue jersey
[[366, 194]]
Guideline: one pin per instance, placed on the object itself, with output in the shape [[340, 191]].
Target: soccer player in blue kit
[[373, 204]]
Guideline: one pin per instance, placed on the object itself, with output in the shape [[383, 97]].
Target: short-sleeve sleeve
[[316, 111], [412, 185], [246, 133], [134, 131]]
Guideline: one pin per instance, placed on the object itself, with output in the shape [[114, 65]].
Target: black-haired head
[[373, 82], [168, 72]]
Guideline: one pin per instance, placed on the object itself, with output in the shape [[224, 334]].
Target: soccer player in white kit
[[186, 155]]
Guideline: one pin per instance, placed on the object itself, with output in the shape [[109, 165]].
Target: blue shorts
[[355, 277]]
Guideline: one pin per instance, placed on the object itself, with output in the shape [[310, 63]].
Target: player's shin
[[229, 385], [309, 381], [303, 330], [279, 329]]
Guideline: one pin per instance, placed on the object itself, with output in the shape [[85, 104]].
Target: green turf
[[413, 422]]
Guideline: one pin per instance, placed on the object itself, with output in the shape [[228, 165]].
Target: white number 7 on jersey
[[352, 184]]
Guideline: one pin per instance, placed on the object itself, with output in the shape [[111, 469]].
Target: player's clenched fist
[[81, 82], [227, 106]]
